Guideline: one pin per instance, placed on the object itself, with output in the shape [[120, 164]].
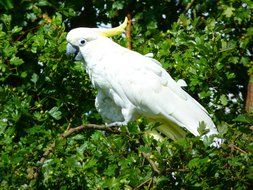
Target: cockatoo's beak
[[74, 50], [71, 49]]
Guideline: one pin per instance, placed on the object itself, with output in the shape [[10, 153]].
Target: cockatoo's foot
[[217, 142], [116, 124]]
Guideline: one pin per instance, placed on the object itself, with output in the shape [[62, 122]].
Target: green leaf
[[193, 163], [16, 29], [7, 4], [24, 74], [223, 128], [43, 3], [55, 113], [202, 129], [117, 5], [223, 100], [90, 163], [16, 61], [34, 78], [228, 12], [110, 171], [244, 118]]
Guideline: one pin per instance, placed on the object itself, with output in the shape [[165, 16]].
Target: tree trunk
[[249, 99], [129, 31]]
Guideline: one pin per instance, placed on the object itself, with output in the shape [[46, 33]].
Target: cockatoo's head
[[79, 37]]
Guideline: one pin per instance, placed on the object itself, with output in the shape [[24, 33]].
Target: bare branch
[[80, 128], [232, 146], [177, 170], [189, 5], [149, 180], [249, 98], [151, 162], [129, 31], [33, 172]]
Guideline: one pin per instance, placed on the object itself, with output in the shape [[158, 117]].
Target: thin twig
[[177, 170], [49, 149], [150, 183], [151, 162], [33, 172], [232, 146], [89, 126], [143, 183], [189, 5], [226, 49]]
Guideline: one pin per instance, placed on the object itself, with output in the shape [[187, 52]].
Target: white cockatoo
[[131, 85]]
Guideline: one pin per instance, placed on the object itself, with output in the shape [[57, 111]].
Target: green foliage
[[43, 93]]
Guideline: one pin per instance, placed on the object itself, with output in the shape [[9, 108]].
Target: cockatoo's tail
[[130, 85]]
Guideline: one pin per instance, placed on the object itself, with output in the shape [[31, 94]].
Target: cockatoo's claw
[[116, 124]]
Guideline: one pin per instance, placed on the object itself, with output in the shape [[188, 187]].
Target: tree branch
[[177, 170], [189, 5], [129, 31], [151, 162], [149, 180], [232, 146], [80, 128], [249, 98], [33, 172]]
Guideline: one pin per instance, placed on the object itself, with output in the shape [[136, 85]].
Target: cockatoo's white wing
[[154, 93]]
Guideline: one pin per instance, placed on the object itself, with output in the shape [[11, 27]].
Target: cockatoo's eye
[[82, 42]]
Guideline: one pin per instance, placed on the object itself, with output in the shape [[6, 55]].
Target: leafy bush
[[45, 95]]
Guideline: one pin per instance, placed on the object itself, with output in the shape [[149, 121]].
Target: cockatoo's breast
[[99, 61]]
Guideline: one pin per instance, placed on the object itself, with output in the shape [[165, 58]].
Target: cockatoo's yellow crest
[[114, 31]]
